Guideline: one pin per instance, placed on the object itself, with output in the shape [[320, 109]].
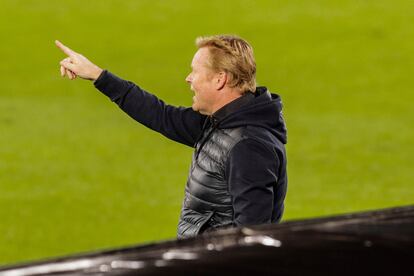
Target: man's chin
[[195, 107], [202, 112]]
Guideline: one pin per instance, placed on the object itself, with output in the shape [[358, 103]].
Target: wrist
[[96, 73]]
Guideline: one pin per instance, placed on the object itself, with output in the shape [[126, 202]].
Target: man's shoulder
[[254, 135], [230, 137], [250, 132]]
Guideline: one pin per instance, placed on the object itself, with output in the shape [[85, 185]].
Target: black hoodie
[[257, 165], [256, 168]]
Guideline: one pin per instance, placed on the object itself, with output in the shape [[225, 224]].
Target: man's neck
[[229, 96], [233, 106]]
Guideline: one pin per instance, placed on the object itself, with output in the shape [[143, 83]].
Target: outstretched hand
[[77, 65]]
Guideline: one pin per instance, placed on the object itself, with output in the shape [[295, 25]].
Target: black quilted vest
[[207, 203]]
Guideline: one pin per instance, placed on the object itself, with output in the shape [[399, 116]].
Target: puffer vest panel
[[207, 202]]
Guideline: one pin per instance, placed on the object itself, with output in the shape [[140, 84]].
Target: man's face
[[201, 80]]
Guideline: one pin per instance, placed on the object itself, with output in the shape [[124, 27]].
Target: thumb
[[68, 65]]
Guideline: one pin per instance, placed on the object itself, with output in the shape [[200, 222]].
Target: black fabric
[[177, 123], [238, 171], [232, 106]]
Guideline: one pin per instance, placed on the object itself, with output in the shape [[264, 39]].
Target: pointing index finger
[[64, 48]]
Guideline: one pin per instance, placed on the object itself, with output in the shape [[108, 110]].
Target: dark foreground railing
[[369, 243]]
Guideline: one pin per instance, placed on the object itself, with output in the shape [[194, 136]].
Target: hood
[[265, 111]]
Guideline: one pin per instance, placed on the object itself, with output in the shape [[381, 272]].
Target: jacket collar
[[231, 107]]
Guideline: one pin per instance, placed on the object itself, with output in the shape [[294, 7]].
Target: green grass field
[[77, 174]]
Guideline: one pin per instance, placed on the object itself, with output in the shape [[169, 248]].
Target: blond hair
[[233, 55]]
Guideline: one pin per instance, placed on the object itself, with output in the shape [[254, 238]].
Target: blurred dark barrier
[[369, 243]]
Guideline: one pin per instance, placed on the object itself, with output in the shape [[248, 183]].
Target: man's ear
[[221, 80]]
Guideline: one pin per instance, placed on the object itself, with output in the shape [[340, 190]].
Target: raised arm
[[177, 123]]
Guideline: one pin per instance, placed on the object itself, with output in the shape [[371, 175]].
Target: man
[[238, 171]]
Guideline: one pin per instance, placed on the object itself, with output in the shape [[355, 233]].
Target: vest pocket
[[203, 225]]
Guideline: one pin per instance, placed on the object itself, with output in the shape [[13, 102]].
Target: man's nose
[[188, 78]]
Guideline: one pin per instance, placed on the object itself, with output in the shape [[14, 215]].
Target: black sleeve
[[252, 175], [177, 123]]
